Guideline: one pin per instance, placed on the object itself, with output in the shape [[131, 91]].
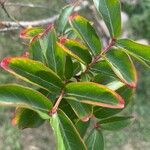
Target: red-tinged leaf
[[29, 33], [33, 72], [122, 66], [93, 94]]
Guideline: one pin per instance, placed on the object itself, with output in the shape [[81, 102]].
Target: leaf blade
[[110, 10]]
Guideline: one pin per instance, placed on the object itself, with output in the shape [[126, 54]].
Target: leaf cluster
[[81, 85]]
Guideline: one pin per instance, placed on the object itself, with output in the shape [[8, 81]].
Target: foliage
[[77, 84]]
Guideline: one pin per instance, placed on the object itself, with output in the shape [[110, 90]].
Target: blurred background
[[136, 25]]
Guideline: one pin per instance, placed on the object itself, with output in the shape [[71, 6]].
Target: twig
[[96, 58], [54, 109], [13, 25], [9, 15], [26, 5]]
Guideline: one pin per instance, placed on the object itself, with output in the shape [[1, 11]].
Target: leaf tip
[[5, 62]]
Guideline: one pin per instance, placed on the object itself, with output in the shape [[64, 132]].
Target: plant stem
[[55, 107], [97, 57]]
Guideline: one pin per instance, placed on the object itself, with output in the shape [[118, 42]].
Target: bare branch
[[26, 5], [13, 25]]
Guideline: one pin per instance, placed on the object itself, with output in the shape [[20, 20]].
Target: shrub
[[78, 86]]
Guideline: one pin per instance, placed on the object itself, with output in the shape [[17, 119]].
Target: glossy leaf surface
[[93, 94]]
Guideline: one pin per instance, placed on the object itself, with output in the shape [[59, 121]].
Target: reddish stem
[[97, 57], [55, 107]]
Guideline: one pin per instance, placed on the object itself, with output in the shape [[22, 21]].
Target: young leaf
[[101, 112], [29, 33], [87, 32], [83, 111], [26, 118], [33, 72], [15, 95], [137, 50], [110, 11], [95, 140], [66, 134], [122, 66], [93, 94], [115, 123], [63, 18], [78, 49], [82, 127]]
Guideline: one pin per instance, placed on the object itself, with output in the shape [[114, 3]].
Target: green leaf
[[122, 66], [66, 134], [137, 50], [115, 123], [76, 68], [78, 49], [101, 112], [15, 95], [29, 33], [110, 11], [68, 67], [102, 67], [63, 18], [82, 127], [26, 118], [33, 72], [48, 47], [95, 140], [93, 94], [87, 32], [83, 111]]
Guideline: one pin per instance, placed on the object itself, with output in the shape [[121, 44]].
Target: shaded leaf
[[33, 72], [87, 32], [110, 11], [93, 94], [116, 123], [95, 140], [66, 134], [83, 111], [26, 118], [82, 127], [101, 112], [68, 67]]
